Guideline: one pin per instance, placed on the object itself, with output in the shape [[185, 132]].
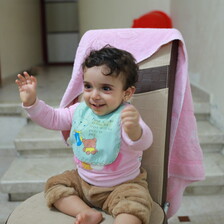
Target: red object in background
[[154, 19]]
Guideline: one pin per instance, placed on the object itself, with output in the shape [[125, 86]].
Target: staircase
[[42, 153], [212, 144]]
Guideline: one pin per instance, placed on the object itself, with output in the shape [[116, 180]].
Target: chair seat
[[34, 210]]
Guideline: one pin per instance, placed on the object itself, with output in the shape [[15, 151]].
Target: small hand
[[27, 88], [130, 122]]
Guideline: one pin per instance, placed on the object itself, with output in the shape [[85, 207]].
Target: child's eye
[[87, 86], [106, 88]]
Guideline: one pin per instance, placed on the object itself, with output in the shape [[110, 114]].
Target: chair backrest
[[154, 98]]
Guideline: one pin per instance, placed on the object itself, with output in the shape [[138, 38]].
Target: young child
[[108, 138]]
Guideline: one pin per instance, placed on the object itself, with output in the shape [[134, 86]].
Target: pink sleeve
[[50, 118], [144, 142]]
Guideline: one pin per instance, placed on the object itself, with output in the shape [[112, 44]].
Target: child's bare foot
[[89, 216]]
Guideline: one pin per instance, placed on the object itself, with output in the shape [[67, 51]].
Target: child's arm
[[27, 89], [130, 122], [41, 113]]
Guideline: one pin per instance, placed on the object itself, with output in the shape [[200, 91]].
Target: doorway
[[60, 32]]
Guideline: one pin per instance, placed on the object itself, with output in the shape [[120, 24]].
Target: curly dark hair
[[120, 63]]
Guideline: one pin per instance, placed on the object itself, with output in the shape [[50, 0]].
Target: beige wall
[[20, 36], [202, 25], [200, 22], [100, 14]]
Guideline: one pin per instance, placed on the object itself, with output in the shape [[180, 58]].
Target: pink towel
[[185, 159]]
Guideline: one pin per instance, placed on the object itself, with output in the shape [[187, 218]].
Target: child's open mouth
[[97, 106]]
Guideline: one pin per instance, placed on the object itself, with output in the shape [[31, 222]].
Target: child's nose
[[95, 94]]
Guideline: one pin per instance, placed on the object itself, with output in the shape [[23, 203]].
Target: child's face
[[103, 94]]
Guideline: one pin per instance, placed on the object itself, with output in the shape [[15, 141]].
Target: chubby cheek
[[86, 97], [112, 100]]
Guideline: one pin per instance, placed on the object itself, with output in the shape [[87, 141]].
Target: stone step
[[202, 111], [34, 140], [10, 109], [27, 176], [210, 137], [10, 127], [214, 181], [201, 100], [6, 207]]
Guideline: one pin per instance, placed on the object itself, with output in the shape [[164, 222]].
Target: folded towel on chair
[[185, 158]]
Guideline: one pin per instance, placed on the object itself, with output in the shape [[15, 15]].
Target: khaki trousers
[[130, 197]]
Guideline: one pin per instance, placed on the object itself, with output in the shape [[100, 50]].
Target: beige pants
[[131, 197]]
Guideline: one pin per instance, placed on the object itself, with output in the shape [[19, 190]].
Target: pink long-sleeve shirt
[[127, 165]]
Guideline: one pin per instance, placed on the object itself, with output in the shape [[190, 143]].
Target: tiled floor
[[52, 83], [201, 210]]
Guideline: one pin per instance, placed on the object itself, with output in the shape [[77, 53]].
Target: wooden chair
[[153, 98]]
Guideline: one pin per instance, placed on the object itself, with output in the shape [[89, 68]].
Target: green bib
[[95, 139]]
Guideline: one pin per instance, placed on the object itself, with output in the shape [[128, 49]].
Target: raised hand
[[27, 88], [130, 122]]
